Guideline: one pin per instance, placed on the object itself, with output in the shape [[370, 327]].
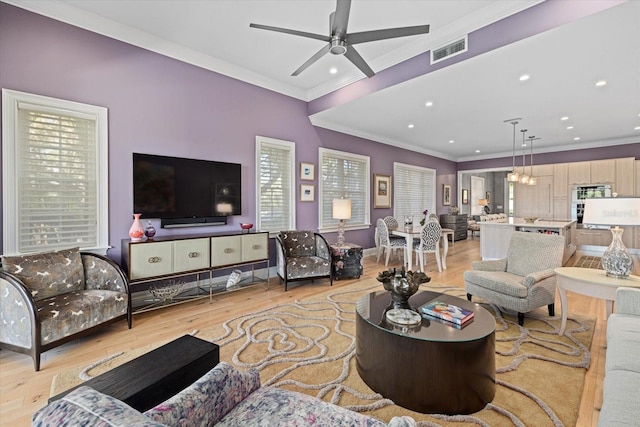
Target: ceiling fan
[[339, 42]]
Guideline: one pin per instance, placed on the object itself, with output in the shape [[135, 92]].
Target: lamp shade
[[612, 211], [341, 209], [482, 202]]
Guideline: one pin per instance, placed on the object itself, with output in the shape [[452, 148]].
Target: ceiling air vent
[[452, 49]]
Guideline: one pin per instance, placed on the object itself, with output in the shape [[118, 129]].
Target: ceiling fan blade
[[292, 32], [340, 18], [319, 54], [390, 33], [353, 56]]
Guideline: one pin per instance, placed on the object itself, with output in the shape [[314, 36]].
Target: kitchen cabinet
[[593, 237], [603, 171], [535, 200], [560, 180], [579, 173], [625, 168]]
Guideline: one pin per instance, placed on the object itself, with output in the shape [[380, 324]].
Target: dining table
[[412, 233]]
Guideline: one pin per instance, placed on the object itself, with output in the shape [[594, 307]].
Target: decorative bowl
[[246, 226], [530, 219]]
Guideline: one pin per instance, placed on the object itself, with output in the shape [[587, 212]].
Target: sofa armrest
[[101, 272], [533, 278], [18, 312], [628, 301], [322, 247], [209, 399], [490, 265]]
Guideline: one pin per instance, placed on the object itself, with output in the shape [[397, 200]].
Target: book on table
[[448, 312]]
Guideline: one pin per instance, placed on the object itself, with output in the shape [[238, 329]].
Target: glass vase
[[616, 260], [136, 232], [149, 230]]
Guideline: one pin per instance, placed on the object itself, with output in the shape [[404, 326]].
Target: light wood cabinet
[[593, 237], [579, 173], [543, 170], [560, 180], [535, 200], [625, 168], [603, 171]]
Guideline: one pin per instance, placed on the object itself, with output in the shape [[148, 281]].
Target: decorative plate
[[403, 316]]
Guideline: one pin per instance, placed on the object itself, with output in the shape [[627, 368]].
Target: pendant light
[[532, 179], [524, 178], [514, 176]]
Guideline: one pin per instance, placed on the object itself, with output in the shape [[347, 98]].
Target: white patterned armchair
[[50, 298], [525, 279], [302, 255]]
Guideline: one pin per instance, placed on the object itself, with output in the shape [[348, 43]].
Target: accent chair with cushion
[[302, 255], [525, 279], [50, 298], [387, 242], [429, 243]]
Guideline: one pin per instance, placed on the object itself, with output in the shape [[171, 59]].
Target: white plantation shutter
[[414, 190], [56, 189], [275, 164], [343, 175]]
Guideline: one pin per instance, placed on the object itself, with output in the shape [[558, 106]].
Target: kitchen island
[[495, 236]]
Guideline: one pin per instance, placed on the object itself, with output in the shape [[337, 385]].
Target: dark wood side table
[[432, 367], [458, 223], [346, 261], [152, 378]]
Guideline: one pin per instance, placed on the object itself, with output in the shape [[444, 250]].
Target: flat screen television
[[185, 192]]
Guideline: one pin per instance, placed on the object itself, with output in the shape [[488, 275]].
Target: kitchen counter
[[495, 236]]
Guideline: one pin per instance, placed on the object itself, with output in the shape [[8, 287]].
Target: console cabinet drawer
[[150, 259], [190, 255], [226, 250], [255, 246]]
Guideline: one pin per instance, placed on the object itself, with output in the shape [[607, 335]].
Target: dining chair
[[386, 243], [429, 243], [392, 224]]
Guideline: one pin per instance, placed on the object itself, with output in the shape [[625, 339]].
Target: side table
[[591, 282], [346, 261]]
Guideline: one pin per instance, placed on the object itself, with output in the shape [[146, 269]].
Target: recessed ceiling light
[[428, 104], [636, 128], [577, 138], [564, 118], [569, 127], [601, 83], [451, 141], [411, 126], [333, 70], [477, 151], [524, 77]]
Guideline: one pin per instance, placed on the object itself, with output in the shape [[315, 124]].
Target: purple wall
[[162, 106]]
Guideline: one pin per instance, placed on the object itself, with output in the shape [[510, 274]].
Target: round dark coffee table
[[432, 367]]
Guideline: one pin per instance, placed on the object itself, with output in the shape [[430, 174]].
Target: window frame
[[10, 173], [397, 194], [332, 225], [291, 147]]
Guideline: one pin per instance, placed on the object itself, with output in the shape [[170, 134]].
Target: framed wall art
[[307, 171], [446, 195], [307, 193], [488, 197], [465, 196], [381, 191]]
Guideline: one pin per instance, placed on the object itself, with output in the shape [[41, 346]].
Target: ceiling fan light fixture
[[338, 46]]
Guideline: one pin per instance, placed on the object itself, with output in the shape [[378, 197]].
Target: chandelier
[[514, 176], [524, 178], [532, 179]]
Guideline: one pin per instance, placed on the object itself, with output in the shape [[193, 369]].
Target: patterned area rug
[[587, 261], [309, 346]]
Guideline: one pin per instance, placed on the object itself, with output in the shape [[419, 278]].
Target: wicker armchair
[[302, 255], [525, 279], [50, 298]]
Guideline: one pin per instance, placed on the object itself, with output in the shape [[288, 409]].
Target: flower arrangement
[[425, 213]]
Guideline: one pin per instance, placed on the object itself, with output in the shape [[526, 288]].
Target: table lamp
[[484, 203], [614, 211], [341, 211]]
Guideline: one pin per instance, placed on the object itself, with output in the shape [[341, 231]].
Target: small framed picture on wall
[[488, 197], [307, 171], [446, 195], [307, 193], [381, 191]]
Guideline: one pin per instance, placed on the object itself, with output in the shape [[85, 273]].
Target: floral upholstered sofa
[[50, 298], [222, 397]]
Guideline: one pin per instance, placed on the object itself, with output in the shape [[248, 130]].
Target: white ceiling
[[471, 99]]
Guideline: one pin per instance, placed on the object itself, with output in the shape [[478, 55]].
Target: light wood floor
[[23, 391]]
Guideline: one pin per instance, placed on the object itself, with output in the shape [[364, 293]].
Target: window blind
[[344, 175], [57, 187], [275, 194], [414, 190]]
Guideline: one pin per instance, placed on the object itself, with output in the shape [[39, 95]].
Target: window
[[414, 190], [54, 163], [343, 175], [275, 195]]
